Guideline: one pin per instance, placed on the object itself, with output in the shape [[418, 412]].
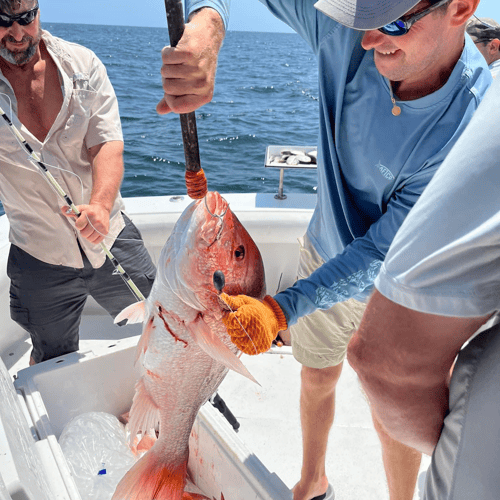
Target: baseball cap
[[483, 29], [365, 14]]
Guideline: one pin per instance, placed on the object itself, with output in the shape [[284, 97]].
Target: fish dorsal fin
[[135, 313], [216, 349]]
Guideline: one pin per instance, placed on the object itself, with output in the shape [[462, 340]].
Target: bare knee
[[320, 379]]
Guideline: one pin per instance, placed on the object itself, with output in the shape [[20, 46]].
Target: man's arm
[[403, 359], [107, 175], [188, 70]]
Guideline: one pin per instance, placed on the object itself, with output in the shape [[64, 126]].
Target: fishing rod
[[35, 160], [196, 182]]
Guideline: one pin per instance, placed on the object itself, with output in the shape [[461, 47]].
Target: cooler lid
[[20, 465]]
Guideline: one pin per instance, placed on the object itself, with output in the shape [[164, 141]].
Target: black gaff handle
[[175, 21]]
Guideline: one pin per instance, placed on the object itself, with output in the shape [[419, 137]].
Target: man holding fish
[[399, 82], [61, 103]]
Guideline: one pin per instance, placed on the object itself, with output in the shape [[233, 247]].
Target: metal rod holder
[[280, 195]]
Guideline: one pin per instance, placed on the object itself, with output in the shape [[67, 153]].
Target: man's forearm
[[107, 173], [220, 7], [210, 20]]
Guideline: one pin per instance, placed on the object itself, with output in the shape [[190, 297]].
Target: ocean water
[[266, 94]]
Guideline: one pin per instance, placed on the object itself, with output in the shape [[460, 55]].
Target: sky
[[246, 15]]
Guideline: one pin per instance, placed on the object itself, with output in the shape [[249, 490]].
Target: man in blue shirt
[[393, 101]]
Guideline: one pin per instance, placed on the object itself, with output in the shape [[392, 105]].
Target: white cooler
[[45, 397]]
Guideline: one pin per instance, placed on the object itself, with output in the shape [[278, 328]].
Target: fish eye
[[239, 253]]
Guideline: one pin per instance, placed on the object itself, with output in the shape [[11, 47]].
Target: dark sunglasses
[[402, 25], [23, 19]]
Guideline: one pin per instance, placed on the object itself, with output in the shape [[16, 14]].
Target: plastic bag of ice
[[96, 449]]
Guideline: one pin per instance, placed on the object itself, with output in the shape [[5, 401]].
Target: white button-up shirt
[[89, 116]]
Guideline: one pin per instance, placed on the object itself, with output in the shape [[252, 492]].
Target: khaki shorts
[[320, 339]]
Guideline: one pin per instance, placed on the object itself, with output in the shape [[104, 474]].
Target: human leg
[[317, 411], [108, 289], [401, 464], [319, 343], [47, 301]]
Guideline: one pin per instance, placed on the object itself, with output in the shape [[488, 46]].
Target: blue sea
[[266, 94]]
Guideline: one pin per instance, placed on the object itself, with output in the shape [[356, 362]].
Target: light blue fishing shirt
[[372, 166], [445, 259]]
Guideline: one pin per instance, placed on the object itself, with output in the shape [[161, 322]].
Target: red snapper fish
[[184, 350]]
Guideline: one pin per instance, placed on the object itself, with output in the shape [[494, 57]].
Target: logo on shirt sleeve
[[385, 171]]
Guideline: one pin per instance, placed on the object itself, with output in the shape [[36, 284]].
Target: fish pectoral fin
[[144, 414], [135, 313], [216, 349], [142, 345]]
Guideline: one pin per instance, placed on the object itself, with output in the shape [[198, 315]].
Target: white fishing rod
[[35, 160]]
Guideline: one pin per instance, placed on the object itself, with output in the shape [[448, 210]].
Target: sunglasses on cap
[[486, 33], [402, 25], [6, 21]]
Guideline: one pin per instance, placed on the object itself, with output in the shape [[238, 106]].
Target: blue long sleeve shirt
[[372, 166]]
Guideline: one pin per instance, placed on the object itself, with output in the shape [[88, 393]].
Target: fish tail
[[151, 478]]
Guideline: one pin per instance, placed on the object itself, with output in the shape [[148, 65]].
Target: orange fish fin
[[144, 414], [135, 313], [152, 478], [216, 349], [142, 345], [147, 441]]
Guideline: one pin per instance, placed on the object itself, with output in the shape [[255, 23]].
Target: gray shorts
[[320, 339], [465, 463], [48, 300]]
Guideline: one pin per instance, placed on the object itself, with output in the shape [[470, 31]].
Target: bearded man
[[59, 96]]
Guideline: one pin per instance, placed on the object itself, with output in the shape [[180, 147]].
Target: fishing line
[[164, 275], [35, 160], [42, 168], [221, 276], [242, 327], [220, 217]]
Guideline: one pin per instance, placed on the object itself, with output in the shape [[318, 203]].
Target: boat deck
[[270, 427]]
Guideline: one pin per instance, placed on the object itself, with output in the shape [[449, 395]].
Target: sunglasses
[[487, 34], [402, 25], [484, 23], [23, 19]]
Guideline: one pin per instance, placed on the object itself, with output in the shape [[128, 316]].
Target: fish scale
[[185, 352]]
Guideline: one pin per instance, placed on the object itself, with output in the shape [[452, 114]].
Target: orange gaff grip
[[196, 184]]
